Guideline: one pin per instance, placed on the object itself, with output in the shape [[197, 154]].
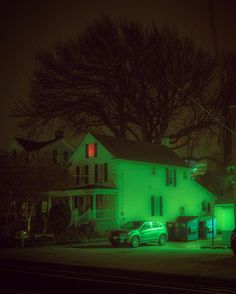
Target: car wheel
[[162, 240], [135, 242]]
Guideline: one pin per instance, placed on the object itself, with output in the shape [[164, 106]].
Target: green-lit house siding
[[140, 183], [135, 187]]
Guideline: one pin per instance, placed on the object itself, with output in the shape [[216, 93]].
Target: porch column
[[70, 203]]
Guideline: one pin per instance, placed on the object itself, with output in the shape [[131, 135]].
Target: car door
[[146, 232], [157, 229]]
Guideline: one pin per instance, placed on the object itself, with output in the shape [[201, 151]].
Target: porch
[[97, 206]]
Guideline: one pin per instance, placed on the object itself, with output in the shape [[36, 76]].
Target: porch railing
[[100, 215], [85, 217], [105, 214]]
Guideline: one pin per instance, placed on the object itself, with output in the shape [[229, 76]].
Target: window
[[182, 211], [65, 157], [75, 202], [156, 225], [147, 226], [100, 201], [91, 150], [156, 206], [171, 176], [78, 175], [105, 172], [96, 173], [54, 156], [206, 207], [160, 205], [153, 205], [86, 174]]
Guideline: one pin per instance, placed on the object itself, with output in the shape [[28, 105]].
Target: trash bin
[[207, 227], [186, 228], [171, 230]]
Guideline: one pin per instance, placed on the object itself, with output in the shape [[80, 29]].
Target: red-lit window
[[91, 150]]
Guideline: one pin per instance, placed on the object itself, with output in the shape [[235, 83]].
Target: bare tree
[[130, 80], [227, 98], [22, 188]]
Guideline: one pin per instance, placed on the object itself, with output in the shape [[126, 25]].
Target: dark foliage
[[121, 77], [59, 218]]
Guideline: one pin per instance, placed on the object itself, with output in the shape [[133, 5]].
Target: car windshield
[[131, 225]]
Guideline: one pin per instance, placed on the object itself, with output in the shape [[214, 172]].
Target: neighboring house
[[26, 152], [224, 213], [117, 180]]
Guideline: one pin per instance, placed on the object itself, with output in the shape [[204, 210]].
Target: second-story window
[[78, 175], [55, 156], [105, 172], [86, 174], [91, 150], [171, 177]]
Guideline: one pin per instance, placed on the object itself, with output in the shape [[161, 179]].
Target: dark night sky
[[26, 25]]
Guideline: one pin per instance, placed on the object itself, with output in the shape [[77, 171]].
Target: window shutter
[[95, 150], [174, 177], [152, 205], [105, 172], [96, 173], [101, 173], [204, 206], [167, 177], [86, 174], [86, 150], [78, 175], [161, 205]]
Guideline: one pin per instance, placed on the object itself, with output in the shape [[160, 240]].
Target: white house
[[117, 180], [28, 152]]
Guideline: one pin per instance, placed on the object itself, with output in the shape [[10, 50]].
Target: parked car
[[233, 241], [135, 233]]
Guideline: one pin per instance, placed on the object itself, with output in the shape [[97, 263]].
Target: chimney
[[58, 134]]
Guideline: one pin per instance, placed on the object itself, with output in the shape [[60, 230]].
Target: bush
[[59, 219]]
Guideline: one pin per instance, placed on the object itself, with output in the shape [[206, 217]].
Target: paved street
[[181, 258], [41, 278]]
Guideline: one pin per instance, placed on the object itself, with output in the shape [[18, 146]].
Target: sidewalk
[[216, 243]]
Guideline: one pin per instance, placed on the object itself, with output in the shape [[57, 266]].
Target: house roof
[[225, 200], [33, 145], [140, 151]]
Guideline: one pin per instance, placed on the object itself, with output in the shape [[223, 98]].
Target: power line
[[200, 106]]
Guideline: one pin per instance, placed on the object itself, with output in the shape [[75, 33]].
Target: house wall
[[139, 181], [41, 156], [103, 156], [224, 214]]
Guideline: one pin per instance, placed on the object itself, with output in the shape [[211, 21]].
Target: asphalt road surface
[[35, 278], [174, 268]]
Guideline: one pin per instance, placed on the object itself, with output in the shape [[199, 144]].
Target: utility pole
[[233, 116]]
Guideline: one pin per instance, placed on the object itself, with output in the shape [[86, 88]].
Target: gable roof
[[33, 145], [140, 151]]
